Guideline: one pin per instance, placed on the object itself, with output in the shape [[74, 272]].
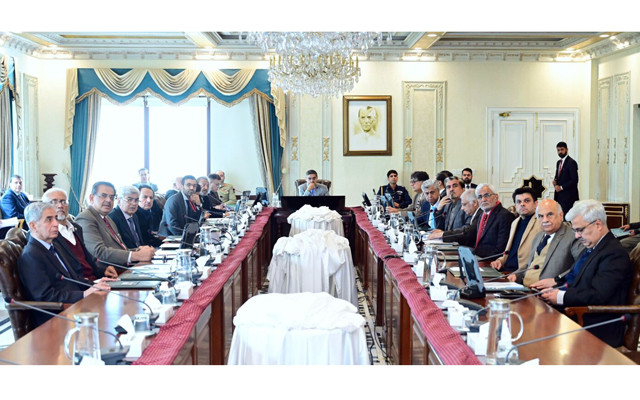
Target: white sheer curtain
[[5, 124]]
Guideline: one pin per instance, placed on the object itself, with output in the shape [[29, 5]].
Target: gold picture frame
[[366, 125]]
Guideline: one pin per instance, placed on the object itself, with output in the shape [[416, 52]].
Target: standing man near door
[[566, 179]]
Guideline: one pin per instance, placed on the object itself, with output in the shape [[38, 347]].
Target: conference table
[[417, 332]]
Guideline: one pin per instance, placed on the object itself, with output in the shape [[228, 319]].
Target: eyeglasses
[[56, 202], [485, 196], [104, 196], [578, 231], [131, 200]]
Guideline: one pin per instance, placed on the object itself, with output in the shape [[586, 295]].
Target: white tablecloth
[[298, 329], [313, 261], [308, 217]]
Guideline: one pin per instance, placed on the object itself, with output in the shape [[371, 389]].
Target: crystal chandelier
[[315, 63]]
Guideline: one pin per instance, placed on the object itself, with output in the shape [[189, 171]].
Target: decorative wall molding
[[326, 138]]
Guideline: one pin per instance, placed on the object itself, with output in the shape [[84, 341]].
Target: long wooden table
[[389, 286]]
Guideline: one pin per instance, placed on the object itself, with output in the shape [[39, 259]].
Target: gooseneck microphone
[[490, 257], [622, 318], [516, 272]]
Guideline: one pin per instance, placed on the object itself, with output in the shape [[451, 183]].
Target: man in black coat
[[494, 226], [125, 218], [566, 179], [601, 275], [146, 218], [40, 268]]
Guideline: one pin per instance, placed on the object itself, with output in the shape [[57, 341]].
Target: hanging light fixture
[[315, 63]]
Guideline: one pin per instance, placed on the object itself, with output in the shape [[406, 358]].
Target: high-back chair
[[325, 182], [11, 288], [17, 235]]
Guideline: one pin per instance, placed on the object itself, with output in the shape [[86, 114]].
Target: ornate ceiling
[[405, 46]]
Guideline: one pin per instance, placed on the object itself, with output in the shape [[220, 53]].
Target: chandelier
[[315, 63]]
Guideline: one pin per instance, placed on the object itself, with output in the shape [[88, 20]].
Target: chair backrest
[[633, 327], [11, 287], [159, 200], [17, 235], [325, 182]]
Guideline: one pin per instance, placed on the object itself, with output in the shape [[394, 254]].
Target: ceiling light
[[604, 35], [432, 35]]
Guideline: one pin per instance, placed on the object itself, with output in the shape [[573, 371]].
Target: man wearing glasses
[[101, 234], [181, 209], [449, 215], [125, 218], [70, 242], [492, 233], [602, 274]]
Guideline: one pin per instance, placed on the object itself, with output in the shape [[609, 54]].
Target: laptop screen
[[189, 235], [469, 268]]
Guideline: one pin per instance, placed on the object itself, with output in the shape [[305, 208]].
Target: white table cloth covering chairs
[[313, 261], [308, 217], [298, 329]]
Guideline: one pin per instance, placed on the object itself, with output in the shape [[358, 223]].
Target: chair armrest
[[579, 312]]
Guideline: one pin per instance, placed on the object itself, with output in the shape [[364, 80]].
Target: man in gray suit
[[311, 187], [100, 232], [449, 215], [554, 249]]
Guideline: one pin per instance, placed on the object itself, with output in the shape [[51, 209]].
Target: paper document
[[9, 222], [500, 286]]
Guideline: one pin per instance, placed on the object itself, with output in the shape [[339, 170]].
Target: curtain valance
[[173, 86]]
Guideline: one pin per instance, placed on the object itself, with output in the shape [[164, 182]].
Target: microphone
[[490, 257], [622, 318], [516, 272], [109, 355], [151, 314]]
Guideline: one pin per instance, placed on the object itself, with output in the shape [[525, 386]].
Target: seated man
[[464, 235], [523, 231], [175, 188], [144, 180], [440, 178], [426, 221], [311, 187], [401, 198], [218, 207], [100, 232], [602, 274], [70, 241], [554, 249], [145, 217], [14, 201], [631, 241], [125, 218], [40, 267], [203, 191], [417, 178], [226, 191], [180, 209], [448, 215], [493, 228]]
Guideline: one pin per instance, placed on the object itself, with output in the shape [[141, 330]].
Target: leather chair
[[18, 236], [11, 288], [632, 331], [325, 182]]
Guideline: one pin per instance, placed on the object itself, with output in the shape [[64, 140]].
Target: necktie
[[117, 239], [543, 243], [53, 251], [467, 186], [573, 274], [560, 167], [483, 222], [132, 227]]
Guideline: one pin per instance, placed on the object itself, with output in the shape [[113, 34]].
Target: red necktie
[[483, 222], [560, 168], [114, 233]]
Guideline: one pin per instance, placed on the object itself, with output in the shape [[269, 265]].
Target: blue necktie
[[543, 243], [571, 276], [53, 251]]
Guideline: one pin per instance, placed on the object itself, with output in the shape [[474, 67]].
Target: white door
[[522, 143]]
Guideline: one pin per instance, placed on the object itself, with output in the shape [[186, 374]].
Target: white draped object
[[313, 261], [308, 217], [298, 329], [125, 84], [5, 121]]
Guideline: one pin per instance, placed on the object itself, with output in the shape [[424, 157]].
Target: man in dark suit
[[218, 205], [125, 218], [70, 241], [467, 177], [492, 233], [440, 178], [180, 209], [145, 216], [565, 182], [602, 274], [464, 235], [14, 201], [40, 268], [448, 214], [401, 198]]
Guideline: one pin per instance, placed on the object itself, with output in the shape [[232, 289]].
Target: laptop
[[189, 235], [470, 270]]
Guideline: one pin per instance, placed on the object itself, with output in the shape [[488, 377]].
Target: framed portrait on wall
[[366, 125]]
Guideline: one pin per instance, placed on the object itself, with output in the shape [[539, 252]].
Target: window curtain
[[173, 86], [7, 95]]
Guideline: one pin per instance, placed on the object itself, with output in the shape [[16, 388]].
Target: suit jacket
[[527, 240], [99, 240], [568, 179], [564, 249], [451, 217], [63, 247], [174, 216], [321, 190], [39, 272], [13, 204], [496, 232], [145, 219], [123, 227], [465, 235], [604, 279], [399, 195], [211, 200], [473, 185]]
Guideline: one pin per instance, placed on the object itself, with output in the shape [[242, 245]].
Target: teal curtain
[[78, 154]]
